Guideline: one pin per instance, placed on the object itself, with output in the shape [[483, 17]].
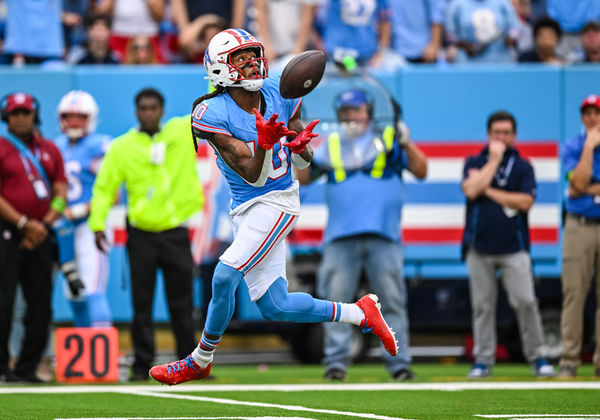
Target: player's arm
[[252, 167], [295, 124]]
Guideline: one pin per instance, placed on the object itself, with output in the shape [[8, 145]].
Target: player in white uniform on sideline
[[85, 268], [243, 120]]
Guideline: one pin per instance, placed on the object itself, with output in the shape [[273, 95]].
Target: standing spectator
[[84, 267], [187, 12], [33, 32], [284, 27], [139, 51], [202, 29], [364, 197], [96, 49], [32, 196], [524, 13], [256, 161], [590, 44], [500, 189], [546, 35], [73, 17], [158, 166], [572, 15], [131, 18], [359, 32], [580, 158], [417, 29], [481, 31]]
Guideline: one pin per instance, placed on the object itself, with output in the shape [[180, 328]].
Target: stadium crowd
[[377, 33]]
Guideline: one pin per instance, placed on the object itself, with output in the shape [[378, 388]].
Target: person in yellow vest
[[364, 196], [157, 164]]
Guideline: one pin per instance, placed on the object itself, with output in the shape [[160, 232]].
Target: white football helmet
[[222, 72], [78, 102]]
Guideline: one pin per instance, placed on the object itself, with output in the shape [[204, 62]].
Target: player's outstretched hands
[[269, 132], [303, 138]]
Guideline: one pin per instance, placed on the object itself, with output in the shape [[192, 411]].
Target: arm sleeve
[[206, 122], [469, 164], [570, 157], [436, 11], [110, 177], [528, 184]]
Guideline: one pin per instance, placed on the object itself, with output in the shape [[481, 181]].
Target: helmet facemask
[[220, 67]]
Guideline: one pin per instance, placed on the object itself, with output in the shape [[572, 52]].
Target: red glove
[[269, 132], [303, 138]]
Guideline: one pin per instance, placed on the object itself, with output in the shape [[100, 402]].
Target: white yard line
[[442, 386], [264, 405]]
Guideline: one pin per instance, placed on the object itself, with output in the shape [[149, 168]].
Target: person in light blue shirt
[[357, 28], [581, 164], [417, 28], [33, 30], [364, 195], [484, 31]]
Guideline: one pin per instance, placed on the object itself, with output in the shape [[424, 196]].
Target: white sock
[[351, 313], [202, 357]]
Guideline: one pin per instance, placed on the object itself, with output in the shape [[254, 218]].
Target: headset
[[36, 109]]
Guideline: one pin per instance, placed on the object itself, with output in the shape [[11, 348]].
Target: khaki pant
[[581, 262]]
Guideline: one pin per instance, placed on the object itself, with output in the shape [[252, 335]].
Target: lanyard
[[502, 174], [28, 158]]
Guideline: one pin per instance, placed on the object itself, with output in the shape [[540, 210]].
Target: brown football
[[302, 74]]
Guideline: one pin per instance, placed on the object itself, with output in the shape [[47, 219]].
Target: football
[[302, 74]]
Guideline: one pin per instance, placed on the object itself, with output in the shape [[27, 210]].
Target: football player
[[84, 267], [257, 135]]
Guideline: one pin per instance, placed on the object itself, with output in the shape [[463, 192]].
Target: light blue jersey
[[221, 115], [81, 164]]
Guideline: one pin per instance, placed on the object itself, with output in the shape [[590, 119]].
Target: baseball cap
[[591, 100], [353, 98], [19, 100]]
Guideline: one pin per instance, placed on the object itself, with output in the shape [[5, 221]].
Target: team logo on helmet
[[221, 69]]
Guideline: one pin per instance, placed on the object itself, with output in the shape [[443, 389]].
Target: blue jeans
[[339, 274]]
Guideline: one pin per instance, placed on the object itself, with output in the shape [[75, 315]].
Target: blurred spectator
[[131, 18], [572, 15], [32, 196], [546, 35], [157, 164], [590, 45], [500, 189], [525, 37], [417, 29], [73, 17], [139, 51], [33, 32], [202, 29], [284, 27], [364, 192], [84, 267], [581, 159], [481, 31], [96, 49], [356, 34], [185, 12]]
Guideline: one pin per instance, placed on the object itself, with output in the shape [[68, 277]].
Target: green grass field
[[300, 392]]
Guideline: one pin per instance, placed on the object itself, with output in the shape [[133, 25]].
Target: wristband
[[22, 222], [79, 211], [59, 204]]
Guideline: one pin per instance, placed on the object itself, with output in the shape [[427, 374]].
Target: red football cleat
[[179, 371], [375, 324]]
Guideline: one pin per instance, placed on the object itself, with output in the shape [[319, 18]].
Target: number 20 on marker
[[87, 355]]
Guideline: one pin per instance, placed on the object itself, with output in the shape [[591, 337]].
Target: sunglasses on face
[[141, 47]]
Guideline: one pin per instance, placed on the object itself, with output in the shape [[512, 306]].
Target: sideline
[[455, 386]]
